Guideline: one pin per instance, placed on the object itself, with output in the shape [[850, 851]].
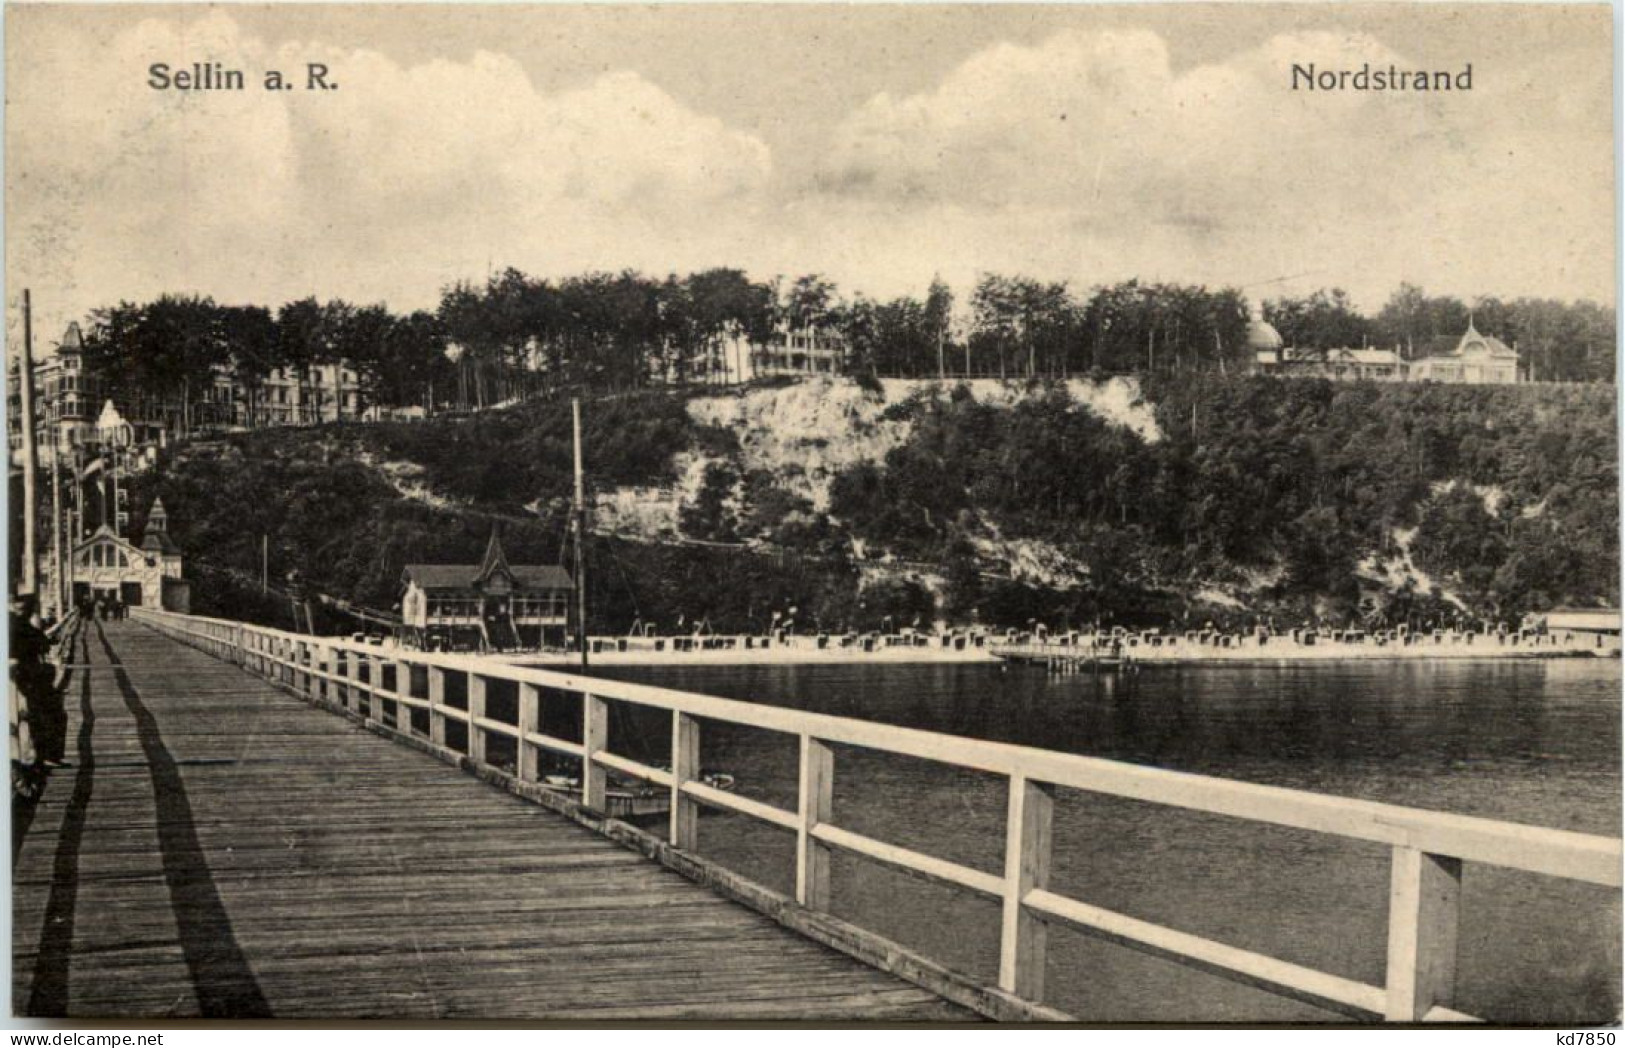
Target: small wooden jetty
[[1058, 659]]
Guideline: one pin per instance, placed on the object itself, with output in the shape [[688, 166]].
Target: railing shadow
[[221, 976], [48, 992]]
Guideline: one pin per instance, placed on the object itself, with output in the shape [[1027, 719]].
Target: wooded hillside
[[1258, 497]]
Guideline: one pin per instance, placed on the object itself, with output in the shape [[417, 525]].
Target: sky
[[878, 145]]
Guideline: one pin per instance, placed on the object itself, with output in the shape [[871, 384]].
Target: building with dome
[[1263, 341], [1476, 358]]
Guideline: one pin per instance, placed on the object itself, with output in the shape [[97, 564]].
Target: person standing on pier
[[34, 677]]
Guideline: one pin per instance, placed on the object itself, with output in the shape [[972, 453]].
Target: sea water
[[1525, 741]]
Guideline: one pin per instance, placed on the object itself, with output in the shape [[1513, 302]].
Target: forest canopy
[[517, 336]]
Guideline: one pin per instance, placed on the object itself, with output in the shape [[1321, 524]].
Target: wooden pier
[[219, 848], [225, 846]]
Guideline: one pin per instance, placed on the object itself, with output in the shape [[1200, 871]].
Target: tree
[[250, 334], [712, 516], [723, 306], [362, 340], [177, 343], [939, 308], [302, 336], [1325, 319], [1420, 324], [996, 317], [809, 303], [414, 367]]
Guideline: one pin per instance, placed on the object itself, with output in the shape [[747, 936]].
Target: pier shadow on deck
[[218, 848]]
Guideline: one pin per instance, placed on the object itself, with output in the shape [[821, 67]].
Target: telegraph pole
[[59, 598], [581, 533], [30, 570]]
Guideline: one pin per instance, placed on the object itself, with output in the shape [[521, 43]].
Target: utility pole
[[25, 375], [59, 599], [73, 536], [265, 563], [581, 533]]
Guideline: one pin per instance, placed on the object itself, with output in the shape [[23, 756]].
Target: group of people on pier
[[104, 608]]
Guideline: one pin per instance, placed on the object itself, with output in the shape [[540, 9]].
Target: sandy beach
[[790, 654], [793, 651]]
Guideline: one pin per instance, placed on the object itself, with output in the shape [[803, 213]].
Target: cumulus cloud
[[1091, 156], [1100, 160], [403, 179]]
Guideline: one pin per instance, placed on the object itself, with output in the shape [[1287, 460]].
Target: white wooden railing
[[1428, 847]]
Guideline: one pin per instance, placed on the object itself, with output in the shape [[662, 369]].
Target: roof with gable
[[104, 533], [494, 560], [469, 576], [156, 539], [1474, 343], [159, 542], [475, 576], [1470, 344]]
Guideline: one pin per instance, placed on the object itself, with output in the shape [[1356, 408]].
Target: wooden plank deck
[[218, 848]]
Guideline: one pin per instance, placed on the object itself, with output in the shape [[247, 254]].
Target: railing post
[[476, 711], [1027, 840], [815, 804], [403, 689], [338, 664], [685, 767], [530, 718], [437, 702], [312, 664], [375, 683], [594, 737], [1424, 901]]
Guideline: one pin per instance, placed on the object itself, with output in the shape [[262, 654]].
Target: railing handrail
[[1523, 846], [1427, 846]]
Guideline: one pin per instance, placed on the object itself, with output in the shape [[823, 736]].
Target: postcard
[[847, 514]]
